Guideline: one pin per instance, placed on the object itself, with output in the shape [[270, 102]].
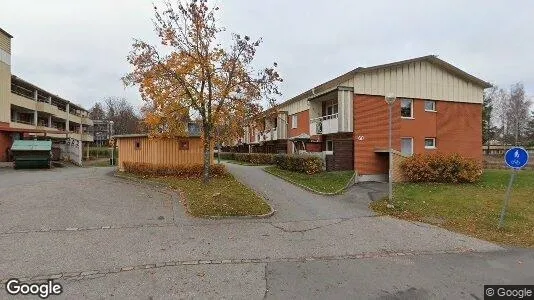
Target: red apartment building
[[438, 107]]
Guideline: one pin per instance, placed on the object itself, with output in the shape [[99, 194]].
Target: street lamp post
[[390, 100], [112, 146]]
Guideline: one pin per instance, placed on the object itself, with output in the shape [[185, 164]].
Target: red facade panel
[[456, 127], [303, 124], [459, 129], [5, 144], [371, 132]]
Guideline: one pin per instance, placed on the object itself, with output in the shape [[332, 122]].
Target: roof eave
[[459, 72], [6, 33], [47, 92]]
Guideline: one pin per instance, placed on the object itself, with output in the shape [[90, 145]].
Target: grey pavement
[[440, 276], [293, 203], [112, 238]]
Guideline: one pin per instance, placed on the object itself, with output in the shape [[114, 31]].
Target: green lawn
[[223, 196], [472, 209], [324, 182]]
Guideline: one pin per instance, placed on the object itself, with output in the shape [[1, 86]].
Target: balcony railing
[[324, 125], [268, 135]]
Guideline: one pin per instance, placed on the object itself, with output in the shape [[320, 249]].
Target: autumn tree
[[231, 127], [193, 75]]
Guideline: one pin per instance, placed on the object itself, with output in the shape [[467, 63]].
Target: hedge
[[255, 158], [226, 155], [189, 171], [441, 168], [252, 158], [309, 164]]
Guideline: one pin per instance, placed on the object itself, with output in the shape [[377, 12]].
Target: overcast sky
[[77, 49]]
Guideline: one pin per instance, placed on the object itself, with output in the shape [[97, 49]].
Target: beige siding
[[159, 151], [345, 108], [23, 101], [5, 93], [421, 80], [5, 43], [348, 83], [295, 107]]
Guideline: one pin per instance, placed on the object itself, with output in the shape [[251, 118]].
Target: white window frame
[[434, 142], [431, 110], [326, 147], [294, 121], [411, 108], [335, 108], [408, 138]]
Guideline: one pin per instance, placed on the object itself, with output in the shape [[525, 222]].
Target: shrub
[[255, 158], [444, 168], [309, 164], [227, 155], [100, 152], [189, 171]]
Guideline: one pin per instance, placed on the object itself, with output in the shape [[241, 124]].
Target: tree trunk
[[207, 157]]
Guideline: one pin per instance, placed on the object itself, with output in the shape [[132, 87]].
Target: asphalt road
[[105, 237]]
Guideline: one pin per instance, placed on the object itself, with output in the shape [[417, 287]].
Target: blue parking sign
[[516, 158]]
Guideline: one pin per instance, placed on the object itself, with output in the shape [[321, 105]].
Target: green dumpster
[[31, 154]]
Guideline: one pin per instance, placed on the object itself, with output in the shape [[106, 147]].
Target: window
[[183, 144], [331, 108], [294, 121], [330, 146], [137, 145], [407, 108], [430, 143], [407, 146], [430, 105]]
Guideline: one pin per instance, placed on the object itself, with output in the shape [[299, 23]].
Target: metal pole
[[390, 181], [507, 198]]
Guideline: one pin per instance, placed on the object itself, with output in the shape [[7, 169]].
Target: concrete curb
[[340, 191], [91, 274], [264, 216], [159, 184], [244, 164]]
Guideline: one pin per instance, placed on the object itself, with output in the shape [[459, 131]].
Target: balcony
[[324, 125], [84, 137], [22, 124], [270, 135]]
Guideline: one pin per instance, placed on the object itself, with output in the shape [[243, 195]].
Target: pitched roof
[[6, 33], [344, 77]]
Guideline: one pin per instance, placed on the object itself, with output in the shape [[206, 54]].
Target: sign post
[[516, 158]]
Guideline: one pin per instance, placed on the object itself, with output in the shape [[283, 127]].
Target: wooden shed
[[140, 148]]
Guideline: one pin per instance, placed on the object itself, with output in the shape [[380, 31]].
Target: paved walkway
[[294, 204], [103, 236]]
